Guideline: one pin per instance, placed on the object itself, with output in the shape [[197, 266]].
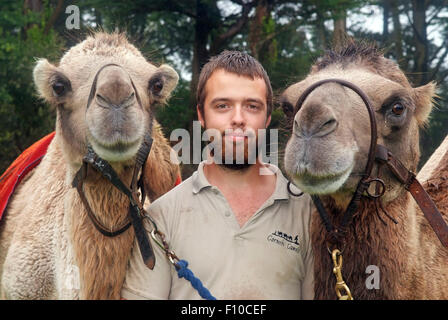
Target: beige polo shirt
[[270, 257]]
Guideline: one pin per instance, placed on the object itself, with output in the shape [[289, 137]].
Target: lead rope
[[181, 266]]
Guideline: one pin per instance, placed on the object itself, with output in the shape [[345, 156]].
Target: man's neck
[[223, 177], [245, 190]]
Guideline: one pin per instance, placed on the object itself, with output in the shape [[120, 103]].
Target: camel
[[327, 154], [49, 248]]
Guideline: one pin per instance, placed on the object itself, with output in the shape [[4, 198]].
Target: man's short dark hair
[[236, 62]]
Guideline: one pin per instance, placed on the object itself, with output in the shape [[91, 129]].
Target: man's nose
[[238, 118]]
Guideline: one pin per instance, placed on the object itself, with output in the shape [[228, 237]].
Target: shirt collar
[[280, 193], [281, 190], [199, 179]]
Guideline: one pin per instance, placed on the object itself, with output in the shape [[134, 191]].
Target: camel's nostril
[[101, 100], [328, 127], [106, 103], [314, 129]]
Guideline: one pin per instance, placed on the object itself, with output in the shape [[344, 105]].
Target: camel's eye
[[288, 109], [398, 109], [60, 85], [59, 88]]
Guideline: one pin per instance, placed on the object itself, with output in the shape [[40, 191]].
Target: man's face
[[236, 106]]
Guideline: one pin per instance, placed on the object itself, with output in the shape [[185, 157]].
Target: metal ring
[[383, 188], [153, 235], [288, 186], [341, 251]]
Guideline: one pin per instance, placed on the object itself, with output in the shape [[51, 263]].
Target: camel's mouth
[[321, 184], [320, 166], [116, 133], [118, 151]]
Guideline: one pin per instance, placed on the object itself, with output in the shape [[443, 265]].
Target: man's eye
[[253, 107], [221, 106]]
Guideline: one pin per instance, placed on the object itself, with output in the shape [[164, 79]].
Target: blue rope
[[184, 272]]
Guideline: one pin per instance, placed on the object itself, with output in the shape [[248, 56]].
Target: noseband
[[383, 156], [136, 211]]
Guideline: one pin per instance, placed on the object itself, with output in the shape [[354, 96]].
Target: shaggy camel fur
[[49, 248], [327, 154]]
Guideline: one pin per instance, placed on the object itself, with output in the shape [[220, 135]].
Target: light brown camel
[[49, 248], [326, 155]]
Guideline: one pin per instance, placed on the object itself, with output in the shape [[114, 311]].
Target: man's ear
[[52, 85], [268, 121], [424, 101], [200, 116], [162, 83]]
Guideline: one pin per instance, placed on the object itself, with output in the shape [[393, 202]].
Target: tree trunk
[[420, 71], [256, 28], [200, 52], [397, 36], [30, 5], [321, 31], [420, 38], [54, 16], [340, 27], [33, 5], [386, 15]]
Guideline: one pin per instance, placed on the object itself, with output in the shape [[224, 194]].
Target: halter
[[136, 211]]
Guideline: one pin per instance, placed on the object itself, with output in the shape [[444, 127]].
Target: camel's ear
[[162, 83], [52, 85], [424, 100]]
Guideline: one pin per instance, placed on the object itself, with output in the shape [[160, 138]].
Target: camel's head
[[328, 150], [104, 91]]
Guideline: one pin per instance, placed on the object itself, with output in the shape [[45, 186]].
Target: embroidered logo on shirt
[[285, 240]]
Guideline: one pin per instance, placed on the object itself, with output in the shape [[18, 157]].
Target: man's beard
[[236, 166], [240, 158]]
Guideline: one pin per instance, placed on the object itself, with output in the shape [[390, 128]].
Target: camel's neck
[[370, 245], [101, 260]]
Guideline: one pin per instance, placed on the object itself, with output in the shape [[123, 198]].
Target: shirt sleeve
[[308, 281], [142, 283]]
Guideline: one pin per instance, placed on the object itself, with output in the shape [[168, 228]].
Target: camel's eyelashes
[[398, 109], [288, 109], [58, 88], [60, 85], [396, 114]]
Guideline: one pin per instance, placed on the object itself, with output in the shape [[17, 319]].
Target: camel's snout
[[114, 88]]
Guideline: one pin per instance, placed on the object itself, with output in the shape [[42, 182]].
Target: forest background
[[285, 36]]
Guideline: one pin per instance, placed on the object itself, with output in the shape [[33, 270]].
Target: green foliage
[[177, 113], [23, 118], [293, 35]]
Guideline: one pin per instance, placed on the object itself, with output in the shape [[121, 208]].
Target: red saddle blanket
[[29, 159]]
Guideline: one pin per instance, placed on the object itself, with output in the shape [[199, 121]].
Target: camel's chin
[[314, 184]]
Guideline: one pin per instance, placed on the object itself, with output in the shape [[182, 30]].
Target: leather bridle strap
[[78, 182], [136, 211], [411, 184]]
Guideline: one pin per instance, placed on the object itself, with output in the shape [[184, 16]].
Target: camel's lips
[[321, 184], [118, 151]]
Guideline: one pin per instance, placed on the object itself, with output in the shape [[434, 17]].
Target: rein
[[381, 155]]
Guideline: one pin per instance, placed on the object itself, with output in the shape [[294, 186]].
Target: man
[[243, 235]]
